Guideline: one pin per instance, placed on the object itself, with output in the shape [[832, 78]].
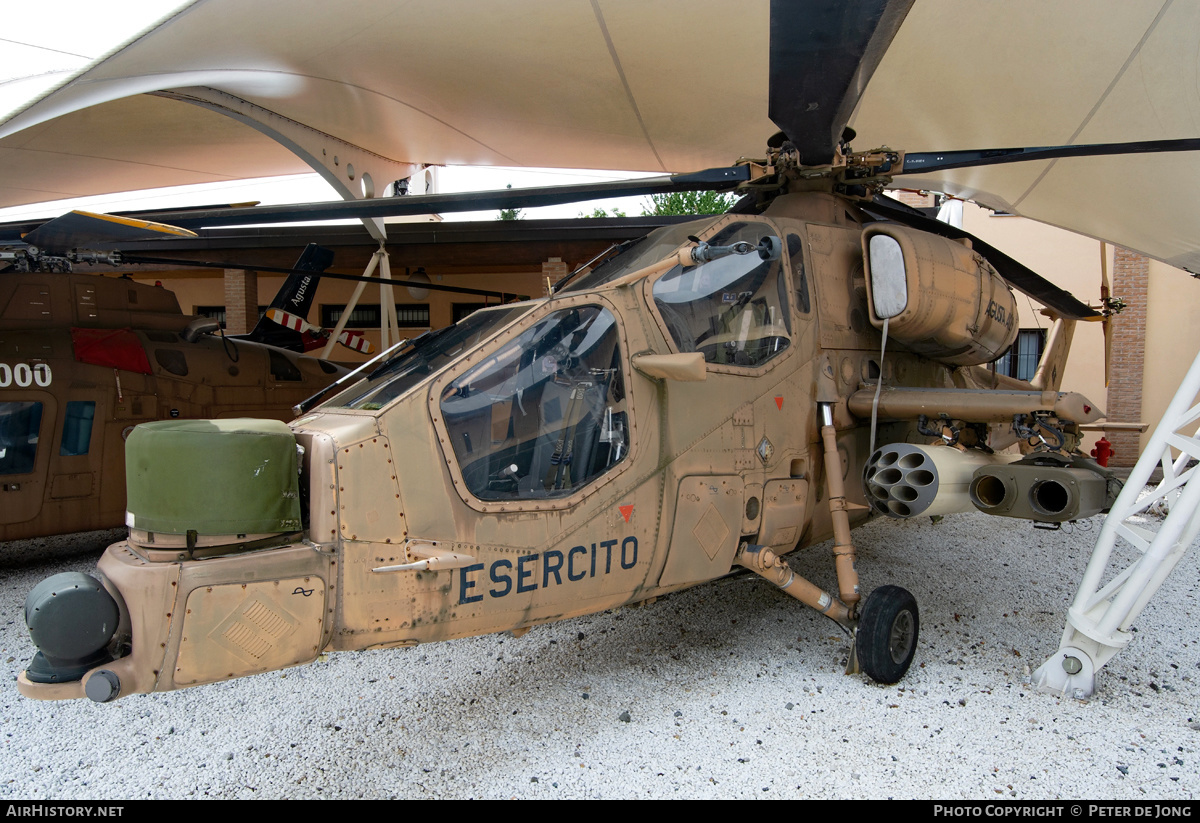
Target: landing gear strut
[[886, 625], [885, 633]]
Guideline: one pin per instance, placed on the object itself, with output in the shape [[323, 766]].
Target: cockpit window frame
[[789, 310], [423, 384], [480, 355]]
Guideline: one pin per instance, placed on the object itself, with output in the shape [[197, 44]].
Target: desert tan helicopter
[[714, 397], [85, 358]]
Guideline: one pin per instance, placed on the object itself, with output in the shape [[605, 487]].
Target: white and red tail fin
[[295, 298]]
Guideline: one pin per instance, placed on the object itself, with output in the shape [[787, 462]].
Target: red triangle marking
[[626, 512], [779, 403]]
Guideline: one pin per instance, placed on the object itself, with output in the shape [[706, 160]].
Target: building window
[[461, 310], [413, 315], [218, 313], [1021, 361], [368, 315]]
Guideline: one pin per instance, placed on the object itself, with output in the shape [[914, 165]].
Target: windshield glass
[[546, 413], [650, 249], [734, 309], [426, 355]]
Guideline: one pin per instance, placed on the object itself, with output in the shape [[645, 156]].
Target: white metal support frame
[[389, 327], [1098, 621], [350, 169], [354, 172]]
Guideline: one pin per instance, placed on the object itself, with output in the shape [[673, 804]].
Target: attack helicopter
[[712, 398], [85, 358]]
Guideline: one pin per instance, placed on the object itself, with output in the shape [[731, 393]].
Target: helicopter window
[[282, 368], [77, 428], [650, 249], [545, 414], [20, 423], [796, 253], [425, 355], [173, 361], [733, 309]]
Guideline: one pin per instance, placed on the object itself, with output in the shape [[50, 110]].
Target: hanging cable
[[231, 350], [878, 386]]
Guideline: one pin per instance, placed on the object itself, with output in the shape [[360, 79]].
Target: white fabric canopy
[[671, 85]]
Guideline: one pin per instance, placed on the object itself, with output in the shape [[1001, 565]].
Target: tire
[[887, 634]]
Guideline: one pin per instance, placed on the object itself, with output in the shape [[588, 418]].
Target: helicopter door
[[27, 426], [708, 526]]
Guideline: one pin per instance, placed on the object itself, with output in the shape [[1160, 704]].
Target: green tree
[[510, 214], [689, 202], [599, 212]]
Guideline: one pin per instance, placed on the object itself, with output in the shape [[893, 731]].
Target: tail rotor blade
[[315, 336], [354, 340], [291, 321]]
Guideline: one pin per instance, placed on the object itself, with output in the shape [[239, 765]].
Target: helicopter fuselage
[[538, 461]]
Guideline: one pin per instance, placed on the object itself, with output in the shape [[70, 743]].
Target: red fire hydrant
[[1103, 451]]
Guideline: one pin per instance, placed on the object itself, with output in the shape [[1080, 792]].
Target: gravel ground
[[729, 689]]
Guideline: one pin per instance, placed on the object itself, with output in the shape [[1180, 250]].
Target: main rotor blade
[[138, 259], [823, 52], [709, 179], [1020, 276], [80, 228], [918, 162]]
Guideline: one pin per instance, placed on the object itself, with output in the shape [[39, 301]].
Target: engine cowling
[[942, 299]]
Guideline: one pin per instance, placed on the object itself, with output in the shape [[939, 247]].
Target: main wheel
[[887, 634]]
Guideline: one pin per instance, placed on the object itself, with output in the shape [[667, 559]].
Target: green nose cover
[[213, 477]]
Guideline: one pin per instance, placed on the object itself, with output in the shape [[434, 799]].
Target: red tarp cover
[[118, 348]]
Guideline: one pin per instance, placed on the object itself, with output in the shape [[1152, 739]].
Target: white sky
[[45, 43]]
